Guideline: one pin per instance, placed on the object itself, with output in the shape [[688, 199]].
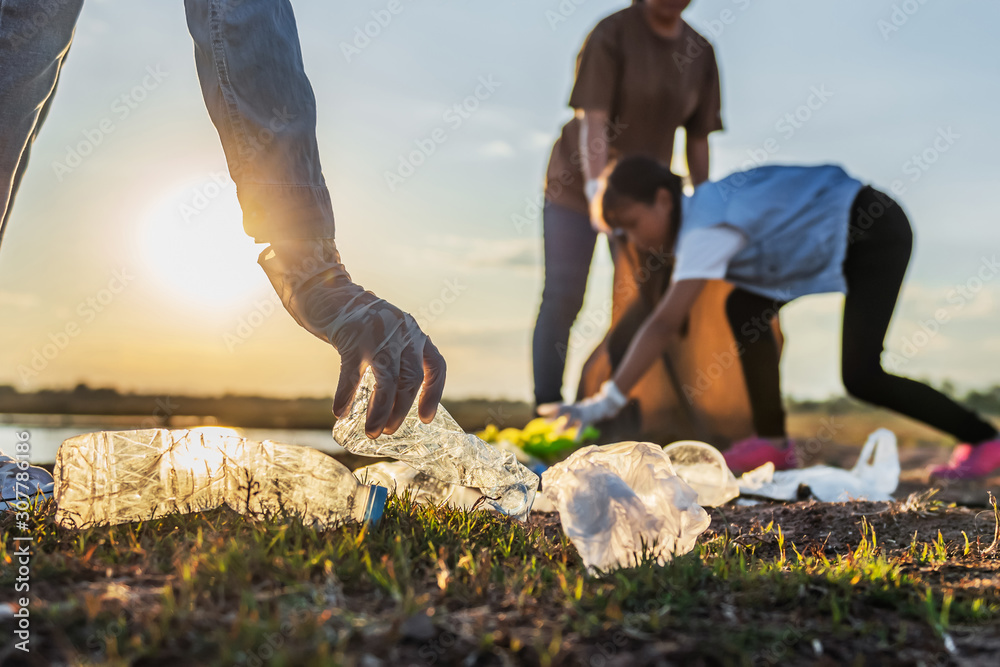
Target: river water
[[45, 440]]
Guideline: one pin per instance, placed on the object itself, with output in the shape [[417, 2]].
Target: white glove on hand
[[317, 291], [607, 403]]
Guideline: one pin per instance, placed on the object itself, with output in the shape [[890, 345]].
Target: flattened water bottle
[[444, 451], [120, 476]]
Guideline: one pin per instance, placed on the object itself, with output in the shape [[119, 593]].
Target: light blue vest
[[795, 220]]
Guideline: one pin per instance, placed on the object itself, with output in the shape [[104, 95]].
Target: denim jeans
[[250, 67], [569, 248]]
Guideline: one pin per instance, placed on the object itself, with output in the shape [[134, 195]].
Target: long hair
[[638, 178]]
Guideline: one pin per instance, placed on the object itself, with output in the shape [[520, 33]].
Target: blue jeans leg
[[250, 66], [569, 249], [34, 38]]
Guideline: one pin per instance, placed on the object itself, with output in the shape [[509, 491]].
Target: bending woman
[[643, 72], [778, 233]]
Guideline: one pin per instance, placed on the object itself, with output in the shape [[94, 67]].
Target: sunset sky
[[133, 264]]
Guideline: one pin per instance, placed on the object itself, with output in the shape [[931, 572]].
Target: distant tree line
[[230, 410], [316, 413], [986, 401], [167, 410]]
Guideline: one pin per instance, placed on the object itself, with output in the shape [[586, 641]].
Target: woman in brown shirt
[[642, 73]]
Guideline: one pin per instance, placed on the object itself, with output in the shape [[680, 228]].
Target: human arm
[[706, 118], [660, 329], [594, 160], [269, 136], [653, 337], [593, 98], [697, 158], [702, 255]]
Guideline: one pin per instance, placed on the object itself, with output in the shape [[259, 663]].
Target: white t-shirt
[[706, 253]]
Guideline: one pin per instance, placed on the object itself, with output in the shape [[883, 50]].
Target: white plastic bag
[[617, 501], [874, 477], [704, 469]]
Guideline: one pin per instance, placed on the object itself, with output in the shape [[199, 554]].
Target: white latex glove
[[317, 291], [605, 404], [594, 190]]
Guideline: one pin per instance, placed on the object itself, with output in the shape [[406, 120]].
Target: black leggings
[[878, 251]]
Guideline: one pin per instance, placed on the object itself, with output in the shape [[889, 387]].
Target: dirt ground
[[834, 529], [510, 611]]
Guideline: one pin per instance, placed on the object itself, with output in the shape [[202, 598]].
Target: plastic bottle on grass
[[400, 478], [703, 467], [443, 451], [120, 476]]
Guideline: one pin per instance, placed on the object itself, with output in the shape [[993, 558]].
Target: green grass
[[218, 588]]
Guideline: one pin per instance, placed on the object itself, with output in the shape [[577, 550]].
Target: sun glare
[[192, 242]]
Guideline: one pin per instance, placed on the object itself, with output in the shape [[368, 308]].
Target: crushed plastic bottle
[[400, 478], [874, 477], [618, 501], [704, 469], [444, 451], [120, 476]]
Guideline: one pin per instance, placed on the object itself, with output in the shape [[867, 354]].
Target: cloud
[[497, 149], [969, 301], [471, 253], [19, 300], [536, 140], [494, 253], [486, 336]]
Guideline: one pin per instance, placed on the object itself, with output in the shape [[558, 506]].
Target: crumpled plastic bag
[[703, 467], [444, 451], [617, 502], [874, 477]]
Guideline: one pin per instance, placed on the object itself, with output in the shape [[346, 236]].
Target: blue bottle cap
[[375, 506]]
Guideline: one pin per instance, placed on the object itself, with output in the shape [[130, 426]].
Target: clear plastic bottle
[[401, 478], [444, 451], [704, 469], [120, 476]]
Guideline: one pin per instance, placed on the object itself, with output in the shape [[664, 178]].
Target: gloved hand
[[607, 403], [317, 291]]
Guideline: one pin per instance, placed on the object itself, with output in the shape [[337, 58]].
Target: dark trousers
[[879, 243], [569, 249]]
